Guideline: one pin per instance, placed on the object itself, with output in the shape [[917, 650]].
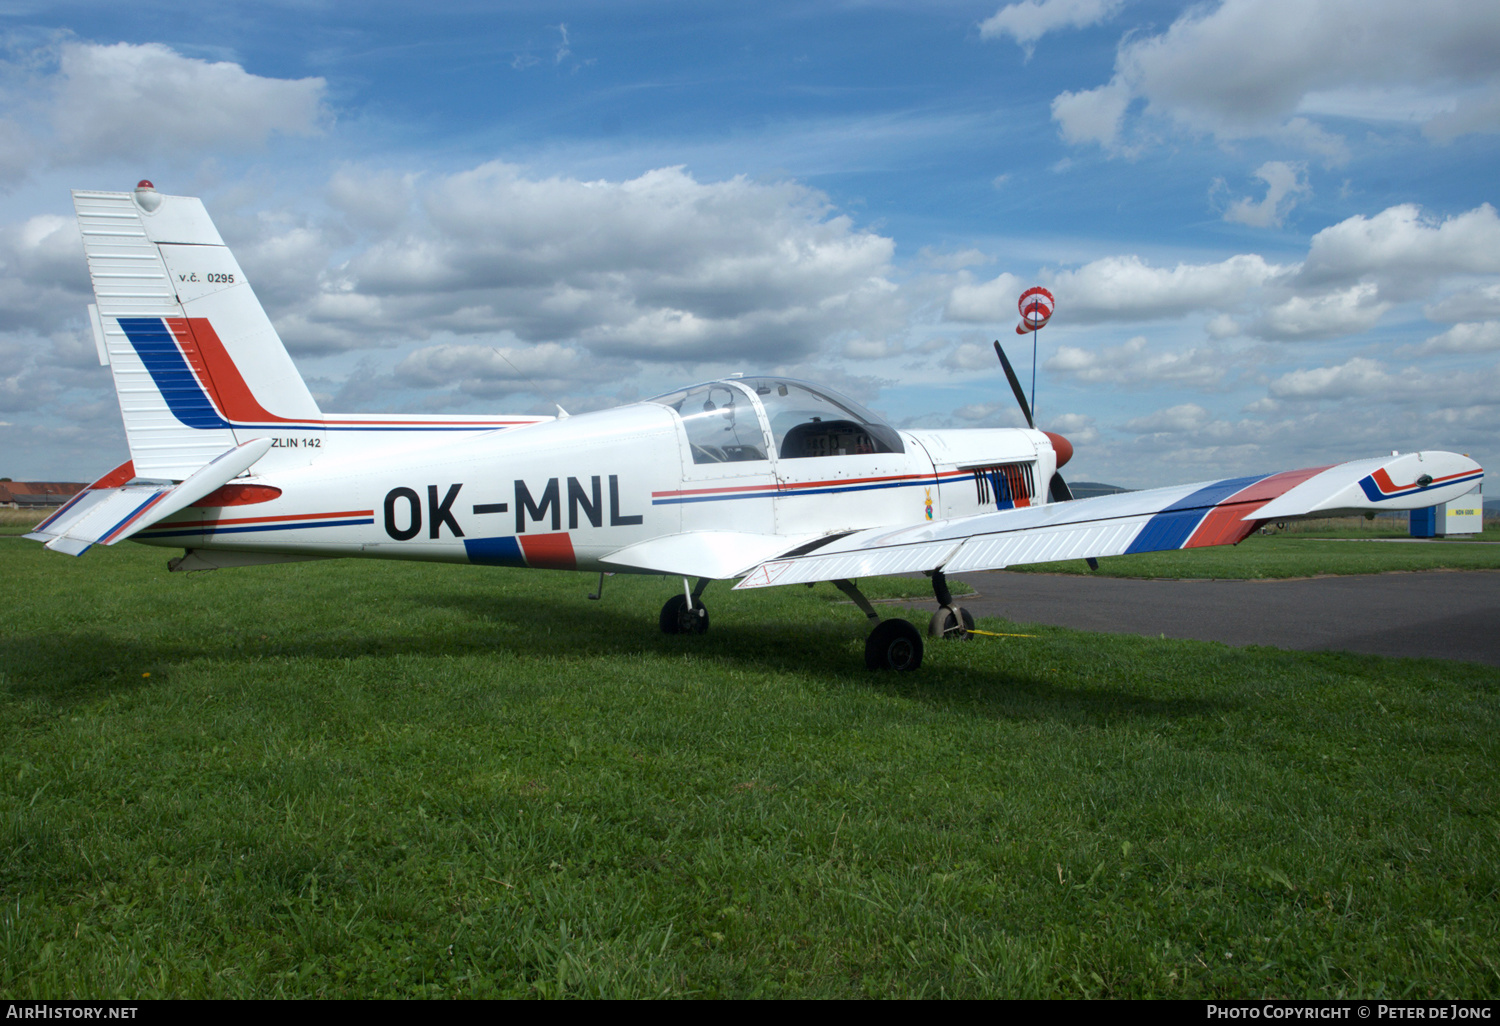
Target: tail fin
[[198, 367]]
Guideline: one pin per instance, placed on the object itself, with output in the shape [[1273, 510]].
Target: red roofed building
[[30, 494]]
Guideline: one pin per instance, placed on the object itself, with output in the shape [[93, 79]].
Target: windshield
[[811, 421], [721, 423]]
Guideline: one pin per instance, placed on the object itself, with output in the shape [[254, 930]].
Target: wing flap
[[848, 566], [714, 554], [1187, 516], [1047, 545], [106, 513]]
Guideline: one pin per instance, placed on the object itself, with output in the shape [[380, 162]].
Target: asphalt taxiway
[[1438, 614]]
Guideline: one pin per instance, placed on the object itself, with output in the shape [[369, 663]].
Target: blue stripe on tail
[[185, 397]]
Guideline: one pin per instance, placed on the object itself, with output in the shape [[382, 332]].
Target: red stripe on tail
[[225, 385]]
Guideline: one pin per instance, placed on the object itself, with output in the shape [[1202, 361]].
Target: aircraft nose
[[1061, 446]]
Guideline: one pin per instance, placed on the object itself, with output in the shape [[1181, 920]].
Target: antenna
[[561, 413]]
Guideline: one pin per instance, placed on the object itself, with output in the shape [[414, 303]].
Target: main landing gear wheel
[[893, 645], [677, 618], [951, 622]]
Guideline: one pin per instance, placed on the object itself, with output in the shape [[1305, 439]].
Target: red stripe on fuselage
[[1226, 523], [553, 551], [263, 520], [792, 486]]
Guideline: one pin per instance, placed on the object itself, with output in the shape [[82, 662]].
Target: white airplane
[[763, 480]]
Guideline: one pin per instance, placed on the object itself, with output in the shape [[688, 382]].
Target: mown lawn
[[351, 778]]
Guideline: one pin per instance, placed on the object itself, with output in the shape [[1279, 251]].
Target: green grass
[[1384, 525], [375, 779]]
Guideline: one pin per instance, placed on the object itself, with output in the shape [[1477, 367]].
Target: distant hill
[[1089, 489]]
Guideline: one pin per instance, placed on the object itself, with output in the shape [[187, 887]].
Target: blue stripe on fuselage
[[494, 551]]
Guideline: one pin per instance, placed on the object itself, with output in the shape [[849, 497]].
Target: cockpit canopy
[[806, 421]]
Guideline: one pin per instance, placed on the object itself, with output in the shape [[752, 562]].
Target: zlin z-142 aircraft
[[764, 480]]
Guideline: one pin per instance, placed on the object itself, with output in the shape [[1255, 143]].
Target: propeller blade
[[1015, 384]]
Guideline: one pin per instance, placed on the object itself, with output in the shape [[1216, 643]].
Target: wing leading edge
[[1182, 517]]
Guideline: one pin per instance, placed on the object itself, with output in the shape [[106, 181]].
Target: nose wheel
[[951, 622]]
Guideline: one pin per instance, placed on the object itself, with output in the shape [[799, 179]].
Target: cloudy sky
[[1270, 224]]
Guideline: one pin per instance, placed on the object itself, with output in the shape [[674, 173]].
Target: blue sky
[[1269, 224]]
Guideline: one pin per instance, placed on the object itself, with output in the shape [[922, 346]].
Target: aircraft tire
[[676, 618], [952, 623], [893, 645]]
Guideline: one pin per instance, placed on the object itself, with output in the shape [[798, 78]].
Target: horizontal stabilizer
[[1183, 517], [106, 513]]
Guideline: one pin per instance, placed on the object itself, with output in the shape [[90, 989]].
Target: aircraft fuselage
[[564, 494]]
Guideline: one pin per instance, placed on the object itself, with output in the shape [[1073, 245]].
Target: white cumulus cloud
[[491, 370], [1404, 248], [1479, 337], [1134, 364], [1028, 21], [658, 267], [82, 103], [1470, 304], [1172, 420], [1357, 376], [1285, 184], [1355, 272], [1329, 315], [1243, 68]]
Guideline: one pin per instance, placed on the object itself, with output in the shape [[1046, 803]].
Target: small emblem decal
[[929, 502]]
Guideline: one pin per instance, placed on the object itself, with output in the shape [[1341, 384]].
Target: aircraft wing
[[718, 555], [1182, 517], [114, 508]]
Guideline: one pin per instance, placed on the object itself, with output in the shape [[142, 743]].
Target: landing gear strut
[[684, 614], [950, 621], [894, 644]]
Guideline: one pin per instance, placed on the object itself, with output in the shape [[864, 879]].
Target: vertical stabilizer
[[198, 368]]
